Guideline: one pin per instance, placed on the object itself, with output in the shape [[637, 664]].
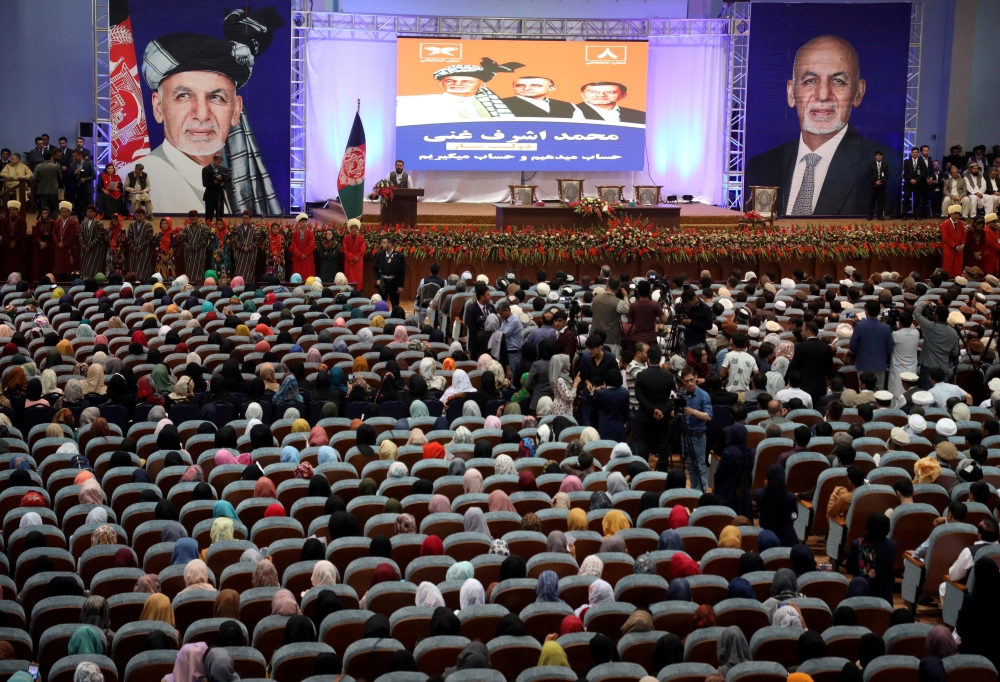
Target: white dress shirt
[[825, 152]]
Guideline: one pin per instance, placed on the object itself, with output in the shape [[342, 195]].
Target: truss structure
[[739, 60], [102, 84], [297, 107], [913, 76]]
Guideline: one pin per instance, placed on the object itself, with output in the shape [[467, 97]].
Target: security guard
[[390, 271]]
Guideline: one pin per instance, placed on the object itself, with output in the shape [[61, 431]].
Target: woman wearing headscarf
[[190, 664], [977, 617], [615, 521], [731, 649], [811, 645], [776, 377], [734, 473], [599, 592], [777, 507], [227, 605], [552, 654], [784, 586], [86, 640], [265, 574], [219, 666], [196, 576], [157, 607], [547, 588], [873, 557]]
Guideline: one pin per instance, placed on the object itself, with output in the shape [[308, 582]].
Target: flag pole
[[359, 104]]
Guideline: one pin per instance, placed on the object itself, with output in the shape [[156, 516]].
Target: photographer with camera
[[697, 410], [696, 317], [872, 344], [214, 178], [608, 308], [940, 347], [643, 314], [906, 346]]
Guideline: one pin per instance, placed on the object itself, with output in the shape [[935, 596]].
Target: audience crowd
[[625, 477]]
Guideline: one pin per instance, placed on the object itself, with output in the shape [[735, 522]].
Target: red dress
[[67, 257], [354, 247], [991, 249], [952, 234], [302, 254]]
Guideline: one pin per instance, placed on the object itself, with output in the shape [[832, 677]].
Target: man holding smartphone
[[697, 414]]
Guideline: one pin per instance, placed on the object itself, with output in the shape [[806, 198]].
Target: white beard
[[200, 148], [828, 128]]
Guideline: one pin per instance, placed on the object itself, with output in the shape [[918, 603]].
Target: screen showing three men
[[520, 104]]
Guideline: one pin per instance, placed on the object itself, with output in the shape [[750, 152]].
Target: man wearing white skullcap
[[946, 427], [66, 235], [942, 390], [916, 425]]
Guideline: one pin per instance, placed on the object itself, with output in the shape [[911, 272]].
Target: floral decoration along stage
[[624, 239]]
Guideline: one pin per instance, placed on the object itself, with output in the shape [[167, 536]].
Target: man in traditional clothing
[[390, 271], [979, 197], [14, 239], [953, 238], [194, 79], [991, 245], [245, 248], [141, 242], [195, 239], [303, 246], [464, 96], [138, 187], [399, 178], [66, 234], [975, 241], [92, 255], [354, 248]]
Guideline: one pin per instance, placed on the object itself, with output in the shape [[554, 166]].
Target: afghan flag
[[129, 136], [351, 181]]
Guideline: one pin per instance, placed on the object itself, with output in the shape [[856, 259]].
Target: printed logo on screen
[[440, 52], [606, 54]]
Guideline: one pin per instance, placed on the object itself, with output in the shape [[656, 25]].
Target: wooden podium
[[402, 210]]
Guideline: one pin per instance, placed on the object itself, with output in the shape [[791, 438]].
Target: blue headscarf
[[670, 539], [547, 589], [223, 508], [767, 540], [327, 454], [296, 348], [296, 278], [337, 378], [185, 550], [207, 307], [740, 588], [288, 391], [289, 455], [678, 590]]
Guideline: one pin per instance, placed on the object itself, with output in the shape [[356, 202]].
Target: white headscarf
[[471, 594], [427, 371], [428, 594], [460, 383]]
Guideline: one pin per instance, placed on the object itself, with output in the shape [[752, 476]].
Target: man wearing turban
[[194, 79], [465, 96]]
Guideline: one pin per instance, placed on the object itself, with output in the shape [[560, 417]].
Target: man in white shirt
[[794, 379], [464, 96], [399, 178], [532, 99], [905, 349], [941, 390], [975, 184], [601, 103], [826, 85], [739, 365], [989, 532]]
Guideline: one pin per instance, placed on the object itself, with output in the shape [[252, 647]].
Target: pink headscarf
[[314, 356], [318, 437], [237, 281], [262, 347], [245, 459], [190, 664], [571, 484], [224, 457], [90, 492], [492, 422], [400, 335], [484, 361], [100, 339], [439, 504], [785, 350], [339, 322]]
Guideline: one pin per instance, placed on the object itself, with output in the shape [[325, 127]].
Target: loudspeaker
[[86, 129]]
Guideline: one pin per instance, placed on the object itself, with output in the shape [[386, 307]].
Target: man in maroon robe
[[66, 235], [14, 240]]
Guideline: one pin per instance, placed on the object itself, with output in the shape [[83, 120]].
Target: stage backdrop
[[223, 77], [686, 99], [848, 89], [520, 105]]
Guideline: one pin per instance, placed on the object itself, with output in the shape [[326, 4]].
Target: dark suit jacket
[[652, 389], [473, 320], [212, 190], [521, 108], [875, 173], [814, 359], [845, 190], [913, 171], [625, 115]]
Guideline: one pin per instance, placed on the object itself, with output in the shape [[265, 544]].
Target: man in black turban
[[194, 79], [464, 96]]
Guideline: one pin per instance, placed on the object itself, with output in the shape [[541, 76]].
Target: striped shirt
[[631, 372]]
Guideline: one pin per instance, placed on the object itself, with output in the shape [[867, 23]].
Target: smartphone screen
[[33, 671], [350, 378]]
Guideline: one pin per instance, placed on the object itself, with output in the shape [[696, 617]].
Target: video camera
[[568, 298], [890, 316]]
